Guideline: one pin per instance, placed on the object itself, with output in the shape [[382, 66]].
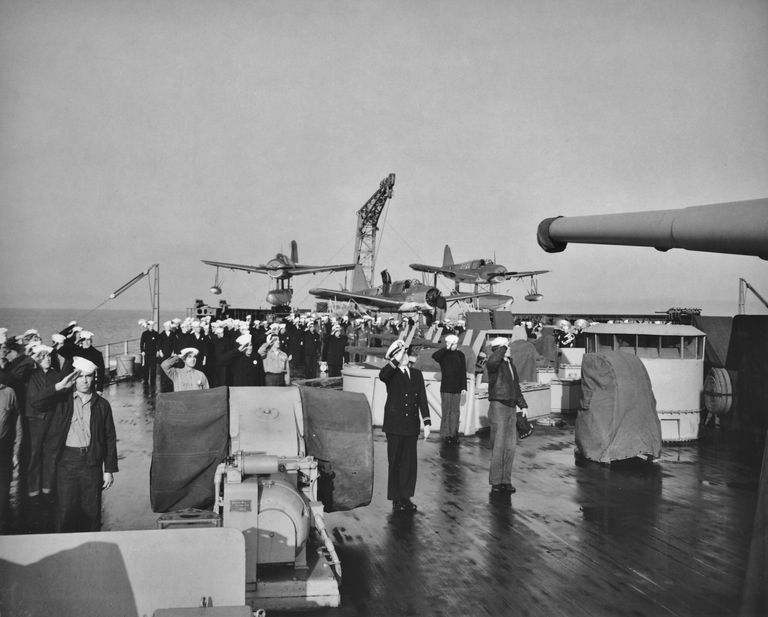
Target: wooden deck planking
[[576, 540]]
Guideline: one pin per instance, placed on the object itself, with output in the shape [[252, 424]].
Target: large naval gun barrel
[[739, 227]]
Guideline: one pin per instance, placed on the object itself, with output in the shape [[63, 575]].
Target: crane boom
[[743, 286], [367, 226]]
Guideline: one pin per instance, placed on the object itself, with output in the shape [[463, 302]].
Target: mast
[[365, 231]]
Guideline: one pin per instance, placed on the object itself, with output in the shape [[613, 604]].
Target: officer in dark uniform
[[166, 342], [406, 402], [149, 344]]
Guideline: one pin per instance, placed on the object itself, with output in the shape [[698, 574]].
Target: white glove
[[426, 431]]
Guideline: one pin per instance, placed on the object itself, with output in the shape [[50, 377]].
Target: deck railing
[[127, 347]]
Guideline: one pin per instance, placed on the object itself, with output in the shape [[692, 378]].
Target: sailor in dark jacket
[[504, 394], [83, 433], [166, 342], [453, 381], [41, 463], [246, 367], [89, 352], [311, 349], [333, 351], [405, 411], [149, 345]]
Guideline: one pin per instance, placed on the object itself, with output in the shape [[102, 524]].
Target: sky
[[170, 131]]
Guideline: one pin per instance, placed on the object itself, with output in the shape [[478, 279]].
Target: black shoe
[[498, 488], [408, 505], [509, 488], [398, 506]]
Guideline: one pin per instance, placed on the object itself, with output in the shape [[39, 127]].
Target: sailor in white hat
[[311, 348], [334, 350], [41, 461], [187, 377], [453, 382], [166, 343], [88, 352], [504, 395], [149, 345], [246, 367], [406, 414], [276, 367], [83, 431]]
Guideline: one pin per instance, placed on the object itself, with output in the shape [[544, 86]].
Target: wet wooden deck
[[666, 539], [669, 539]]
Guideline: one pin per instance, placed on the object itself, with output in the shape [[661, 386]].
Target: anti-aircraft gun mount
[[268, 462]]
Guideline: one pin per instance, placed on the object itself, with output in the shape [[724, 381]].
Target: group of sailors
[[200, 353], [56, 429]]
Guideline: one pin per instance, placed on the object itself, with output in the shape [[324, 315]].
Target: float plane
[[404, 296], [476, 271], [479, 272], [281, 268]]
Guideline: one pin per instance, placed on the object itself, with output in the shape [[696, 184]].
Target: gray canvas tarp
[[191, 436], [617, 419], [338, 433], [190, 440], [524, 355]]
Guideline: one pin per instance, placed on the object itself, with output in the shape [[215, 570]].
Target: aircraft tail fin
[[294, 252], [447, 257], [359, 282]]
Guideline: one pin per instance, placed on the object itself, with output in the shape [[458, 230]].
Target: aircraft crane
[[743, 287], [367, 226]]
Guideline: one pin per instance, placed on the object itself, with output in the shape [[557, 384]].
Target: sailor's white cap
[[39, 350], [499, 341], [57, 338], [189, 350], [243, 339], [451, 339], [86, 334], [86, 367]]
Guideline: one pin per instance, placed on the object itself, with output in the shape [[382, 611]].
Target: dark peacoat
[[406, 400]]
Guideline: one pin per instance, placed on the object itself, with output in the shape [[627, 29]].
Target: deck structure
[[647, 540]]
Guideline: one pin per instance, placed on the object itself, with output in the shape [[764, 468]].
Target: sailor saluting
[[188, 377], [406, 404]]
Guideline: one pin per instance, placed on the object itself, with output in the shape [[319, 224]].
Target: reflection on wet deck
[[575, 540], [667, 539]]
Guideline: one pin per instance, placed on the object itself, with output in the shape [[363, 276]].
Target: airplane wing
[[243, 267], [265, 269], [296, 270], [374, 301], [433, 270], [519, 275], [464, 297]]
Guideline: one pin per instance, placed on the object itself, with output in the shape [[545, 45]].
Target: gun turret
[[739, 228]]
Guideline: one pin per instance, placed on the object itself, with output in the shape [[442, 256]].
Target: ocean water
[[107, 325]]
